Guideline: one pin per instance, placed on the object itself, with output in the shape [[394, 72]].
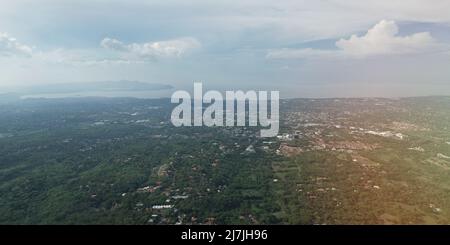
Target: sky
[[303, 48]]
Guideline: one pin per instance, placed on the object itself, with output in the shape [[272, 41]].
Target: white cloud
[[382, 39], [9, 46], [130, 54], [113, 44], [161, 49]]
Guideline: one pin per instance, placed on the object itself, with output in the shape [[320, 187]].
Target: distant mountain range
[[106, 86]]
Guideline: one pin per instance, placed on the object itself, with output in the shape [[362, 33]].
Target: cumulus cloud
[[382, 39], [9, 46], [161, 49]]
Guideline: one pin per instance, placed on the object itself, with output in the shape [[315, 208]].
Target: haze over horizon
[[302, 48]]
